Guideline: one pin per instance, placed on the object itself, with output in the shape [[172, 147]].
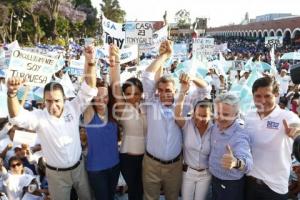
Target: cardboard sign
[[35, 68], [23, 137], [203, 46], [113, 33], [138, 32], [275, 41]]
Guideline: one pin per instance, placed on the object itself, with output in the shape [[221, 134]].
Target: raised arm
[[90, 66], [184, 81], [13, 85], [165, 52], [114, 60]]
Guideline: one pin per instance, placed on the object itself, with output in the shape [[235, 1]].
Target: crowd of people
[[190, 142]]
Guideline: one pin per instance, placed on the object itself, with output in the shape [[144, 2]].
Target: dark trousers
[[228, 189], [260, 191], [104, 182], [131, 168]]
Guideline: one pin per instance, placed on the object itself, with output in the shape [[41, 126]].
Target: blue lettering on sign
[[125, 55], [272, 125]]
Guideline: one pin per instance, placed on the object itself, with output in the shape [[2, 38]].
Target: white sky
[[219, 12]]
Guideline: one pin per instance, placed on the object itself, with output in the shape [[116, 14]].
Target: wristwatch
[[238, 164]]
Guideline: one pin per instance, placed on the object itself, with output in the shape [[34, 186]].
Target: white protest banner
[[113, 33], [23, 137], [35, 68], [274, 41], [126, 54], [76, 67], [138, 32], [158, 37], [203, 46], [180, 51]]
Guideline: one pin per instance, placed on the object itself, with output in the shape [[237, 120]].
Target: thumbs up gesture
[[228, 160]]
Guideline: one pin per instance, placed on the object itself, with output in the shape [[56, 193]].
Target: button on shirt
[[238, 139], [271, 147], [196, 148], [59, 137]]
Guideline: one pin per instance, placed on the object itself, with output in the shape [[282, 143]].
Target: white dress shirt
[[59, 137]]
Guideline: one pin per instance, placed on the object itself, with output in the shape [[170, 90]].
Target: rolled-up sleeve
[[84, 97], [26, 119], [148, 80]]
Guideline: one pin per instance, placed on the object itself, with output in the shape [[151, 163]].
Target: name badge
[[68, 117], [272, 125]]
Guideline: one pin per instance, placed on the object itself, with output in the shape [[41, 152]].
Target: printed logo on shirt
[[272, 125], [68, 117]]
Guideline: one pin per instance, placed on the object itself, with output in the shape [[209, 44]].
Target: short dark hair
[[265, 82], [14, 158], [133, 81], [205, 103], [54, 86]]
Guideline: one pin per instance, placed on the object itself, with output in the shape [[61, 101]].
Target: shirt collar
[[273, 114], [230, 129]]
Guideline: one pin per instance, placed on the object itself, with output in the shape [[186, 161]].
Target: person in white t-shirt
[[271, 140], [58, 128], [284, 80]]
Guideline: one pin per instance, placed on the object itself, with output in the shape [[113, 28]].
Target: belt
[[185, 168], [65, 169], [256, 180], [165, 162]]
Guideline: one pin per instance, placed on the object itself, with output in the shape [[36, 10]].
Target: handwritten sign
[[138, 32], [203, 46], [35, 68], [275, 41], [23, 137]]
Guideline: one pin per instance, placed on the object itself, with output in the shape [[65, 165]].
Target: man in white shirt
[[58, 129], [271, 141], [283, 79]]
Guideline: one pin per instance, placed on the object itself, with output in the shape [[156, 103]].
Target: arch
[[255, 34], [271, 33], [250, 34], [278, 32], [295, 32], [246, 34], [265, 33], [287, 36], [260, 33]]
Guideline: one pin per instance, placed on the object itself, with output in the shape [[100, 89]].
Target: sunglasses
[[17, 164]]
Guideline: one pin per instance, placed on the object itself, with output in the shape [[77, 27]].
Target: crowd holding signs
[[203, 74]]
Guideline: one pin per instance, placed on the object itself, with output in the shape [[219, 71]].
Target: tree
[[112, 10], [182, 18]]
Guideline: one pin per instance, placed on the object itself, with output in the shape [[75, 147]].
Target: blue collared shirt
[[164, 137], [239, 141]]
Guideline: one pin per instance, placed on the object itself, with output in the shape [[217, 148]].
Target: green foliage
[[112, 10], [62, 26]]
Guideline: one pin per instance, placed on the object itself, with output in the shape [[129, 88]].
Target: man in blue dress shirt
[[230, 156]]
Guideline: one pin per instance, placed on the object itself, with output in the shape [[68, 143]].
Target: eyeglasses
[[17, 164]]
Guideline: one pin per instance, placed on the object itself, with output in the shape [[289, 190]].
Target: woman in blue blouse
[[102, 135]]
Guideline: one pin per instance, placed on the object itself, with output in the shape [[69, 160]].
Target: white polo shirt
[[271, 148], [59, 137]]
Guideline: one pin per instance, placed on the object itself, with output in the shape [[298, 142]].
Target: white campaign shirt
[[134, 130], [271, 148], [59, 137]]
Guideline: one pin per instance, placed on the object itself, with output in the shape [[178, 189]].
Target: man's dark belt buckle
[[65, 169], [165, 162]]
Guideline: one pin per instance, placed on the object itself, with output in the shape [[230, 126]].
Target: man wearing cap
[[58, 129]]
